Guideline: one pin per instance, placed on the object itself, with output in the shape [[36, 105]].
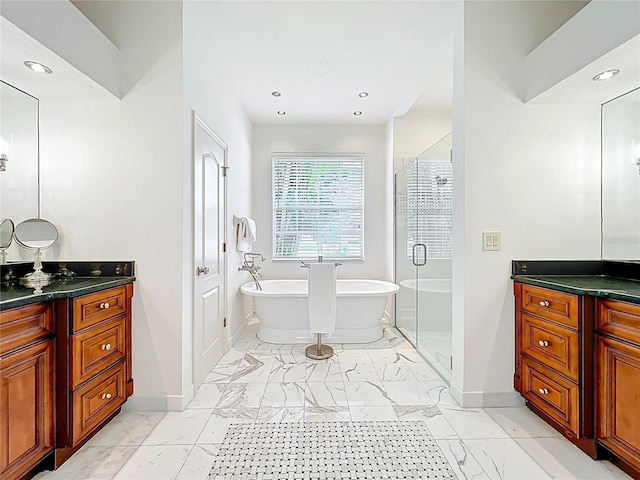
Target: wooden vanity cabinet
[[95, 368], [618, 380], [26, 388], [65, 371], [554, 360]]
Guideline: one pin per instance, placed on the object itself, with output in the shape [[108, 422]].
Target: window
[[318, 206], [430, 204]]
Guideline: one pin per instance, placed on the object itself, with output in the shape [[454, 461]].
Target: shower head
[[440, 181]]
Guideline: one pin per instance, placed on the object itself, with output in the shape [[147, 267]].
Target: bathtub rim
[[249, 289]]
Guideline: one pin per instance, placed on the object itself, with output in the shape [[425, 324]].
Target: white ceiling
[[319, 55], [580, 87], [16, 47]]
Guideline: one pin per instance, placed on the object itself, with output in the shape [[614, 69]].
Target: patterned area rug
[[330, 450]]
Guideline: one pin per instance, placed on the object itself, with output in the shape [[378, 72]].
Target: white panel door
[[209, 335]]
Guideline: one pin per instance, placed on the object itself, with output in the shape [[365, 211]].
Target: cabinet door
[[26, 408], [618, 398]]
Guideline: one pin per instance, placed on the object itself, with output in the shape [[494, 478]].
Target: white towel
[[322, 297], [246, 234]]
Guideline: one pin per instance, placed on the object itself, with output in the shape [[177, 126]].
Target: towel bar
[[308, 265]]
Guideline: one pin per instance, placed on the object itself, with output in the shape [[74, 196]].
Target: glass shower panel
[[435, 230], [406, 221]]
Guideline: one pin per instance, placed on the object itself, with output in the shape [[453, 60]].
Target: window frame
[[292, 156]]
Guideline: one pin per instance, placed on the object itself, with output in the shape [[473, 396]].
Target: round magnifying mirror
[[6, 233], [36, 233]]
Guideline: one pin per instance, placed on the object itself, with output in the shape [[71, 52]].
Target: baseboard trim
[[485, 399], [241, 328], [167, 403]]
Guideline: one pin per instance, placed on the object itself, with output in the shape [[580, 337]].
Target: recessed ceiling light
[[357, 113], [276, 93], [363, 94], [606, 75], [281, 112], [37, 67]]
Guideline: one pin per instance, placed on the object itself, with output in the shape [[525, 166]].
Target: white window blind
[[430, 204], [318, 206]]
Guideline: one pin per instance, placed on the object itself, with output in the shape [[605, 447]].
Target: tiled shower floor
[[382, 381]]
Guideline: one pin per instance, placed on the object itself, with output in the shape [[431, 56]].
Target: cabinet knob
[[543, 391], [106, 395], [544, 303], [104, 305], [106, 346], [543, 343]]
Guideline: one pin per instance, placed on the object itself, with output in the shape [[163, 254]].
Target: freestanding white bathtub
[[283, 310]]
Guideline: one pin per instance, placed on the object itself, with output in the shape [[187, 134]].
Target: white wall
[[378, 225], [529, 171], [416, 131], [209, 93], [112, 182]]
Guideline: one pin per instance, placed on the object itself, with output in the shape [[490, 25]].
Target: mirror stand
[[36, 234], [36, 279]]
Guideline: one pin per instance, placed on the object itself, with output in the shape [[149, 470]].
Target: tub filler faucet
[[249, 265]]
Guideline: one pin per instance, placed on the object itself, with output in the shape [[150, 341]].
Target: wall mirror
[[621, 177], [19, 157], [19, 144]]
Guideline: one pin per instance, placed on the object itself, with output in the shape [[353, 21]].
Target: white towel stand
[[318, 351]]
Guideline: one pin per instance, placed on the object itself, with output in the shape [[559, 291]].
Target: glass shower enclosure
[[423, 251]]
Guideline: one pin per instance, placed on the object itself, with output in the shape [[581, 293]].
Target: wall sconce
[[635, 153], [6, 143]]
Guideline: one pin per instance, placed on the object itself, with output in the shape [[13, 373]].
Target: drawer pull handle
[[543, 343], [104, 305], [106, 346], [543, 391], [106, 395], [544, 303]]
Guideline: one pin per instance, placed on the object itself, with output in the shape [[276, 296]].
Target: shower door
[[406, 270], [423, 230]]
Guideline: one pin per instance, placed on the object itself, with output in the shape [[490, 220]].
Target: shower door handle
[[414, 256]]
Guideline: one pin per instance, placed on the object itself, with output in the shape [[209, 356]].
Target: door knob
[[543, 391], [202, 270], [543, 343], [544, 303]]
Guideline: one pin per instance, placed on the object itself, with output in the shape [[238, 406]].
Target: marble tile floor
[[382, 381]]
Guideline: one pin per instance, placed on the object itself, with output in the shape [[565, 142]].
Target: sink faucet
[[249, 265]]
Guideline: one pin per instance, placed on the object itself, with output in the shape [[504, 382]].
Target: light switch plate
[[491, 241]]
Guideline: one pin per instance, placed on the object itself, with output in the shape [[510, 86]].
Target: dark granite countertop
[[595, 285], [16, 295]]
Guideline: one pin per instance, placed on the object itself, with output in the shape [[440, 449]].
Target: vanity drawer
[[554, 346], [554, 395], [96, 307], [619, 319], [24, 325], [97, 348], [556, 306], [97, 400]]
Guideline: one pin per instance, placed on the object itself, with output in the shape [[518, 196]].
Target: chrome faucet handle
[[250, 257]]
